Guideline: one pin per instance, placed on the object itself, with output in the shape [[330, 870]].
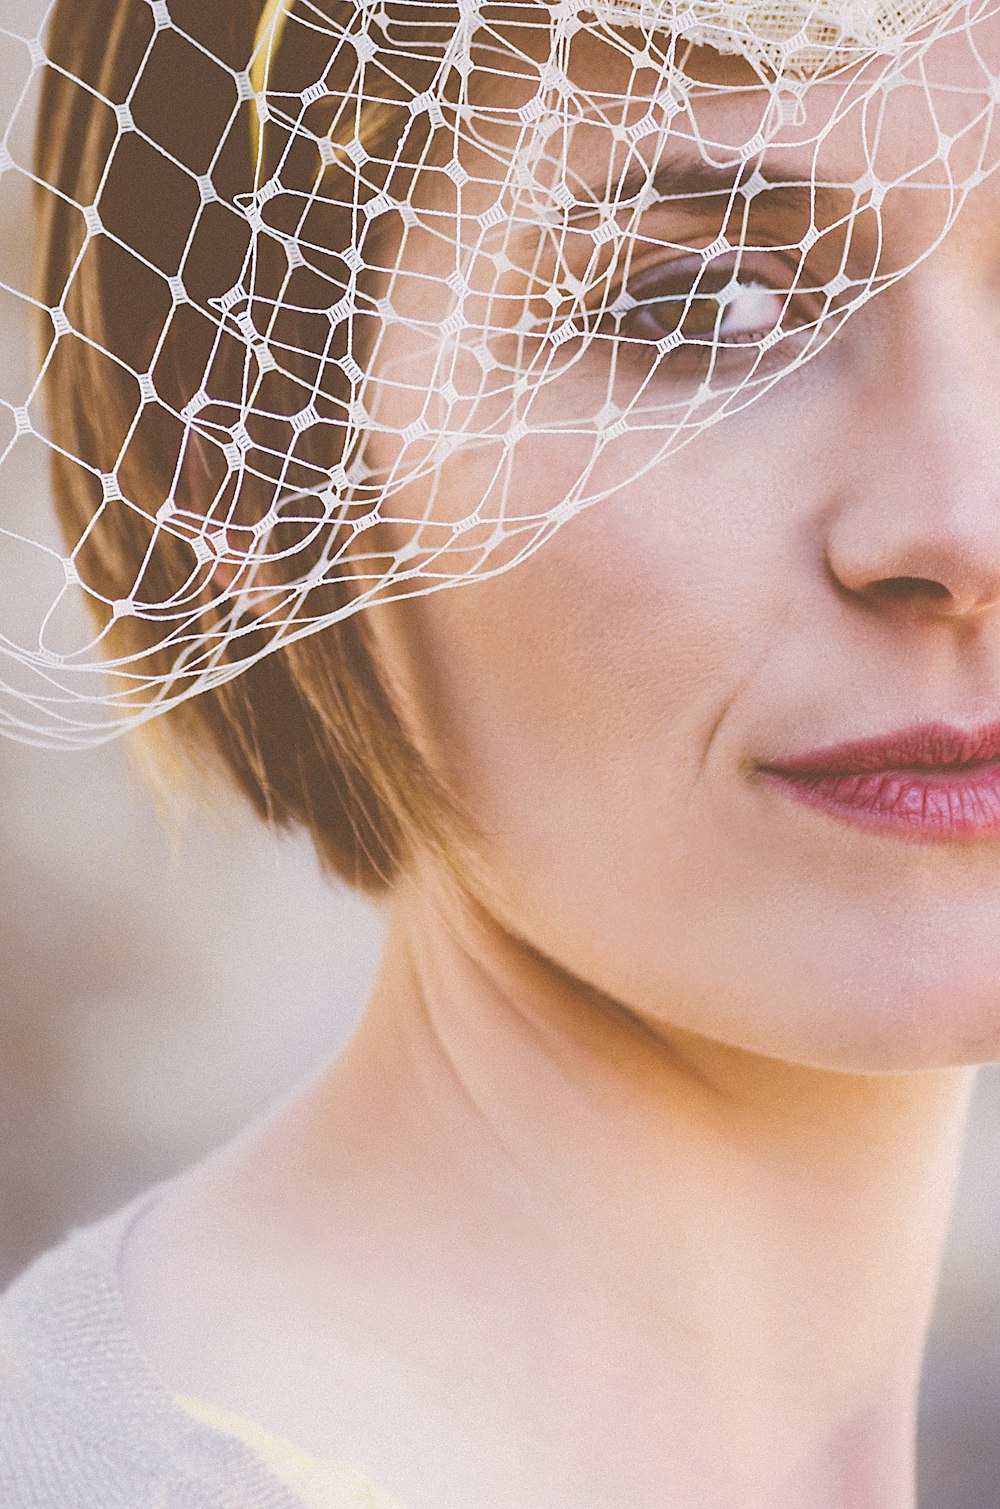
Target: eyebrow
[[683, 181]]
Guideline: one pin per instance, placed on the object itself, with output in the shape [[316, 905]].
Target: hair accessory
[[266, 43], [791, 38], [510, 260]]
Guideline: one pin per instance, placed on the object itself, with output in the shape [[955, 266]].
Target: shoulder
[[84, 1420]]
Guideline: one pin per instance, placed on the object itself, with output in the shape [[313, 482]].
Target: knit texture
[[86, 1423]]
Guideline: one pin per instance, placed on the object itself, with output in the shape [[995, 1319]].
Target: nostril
[[904, 588]]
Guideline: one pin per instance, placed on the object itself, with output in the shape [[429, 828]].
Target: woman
[[632, 1184]]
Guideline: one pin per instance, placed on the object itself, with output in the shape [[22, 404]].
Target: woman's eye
[[723, 307], [703, 326], [748, 311]]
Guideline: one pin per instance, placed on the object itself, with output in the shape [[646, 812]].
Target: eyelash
[[685, 284]]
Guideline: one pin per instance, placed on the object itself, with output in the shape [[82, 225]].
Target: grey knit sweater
[[85, 1423]]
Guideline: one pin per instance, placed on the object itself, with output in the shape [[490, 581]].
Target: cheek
[[571, 699], [576, 693], [599, 709]]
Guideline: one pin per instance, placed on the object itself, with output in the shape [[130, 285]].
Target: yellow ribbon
[[265, 48]]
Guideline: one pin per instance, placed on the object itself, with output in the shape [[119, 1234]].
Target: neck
[[711, 1270]]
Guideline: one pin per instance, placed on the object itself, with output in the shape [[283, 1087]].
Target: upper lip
[[925, 746]]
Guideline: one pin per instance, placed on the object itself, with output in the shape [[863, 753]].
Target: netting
[[338, 302]]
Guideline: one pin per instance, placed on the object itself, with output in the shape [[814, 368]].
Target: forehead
[[605, 110]]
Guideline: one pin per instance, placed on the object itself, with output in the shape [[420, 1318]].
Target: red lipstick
[[931, 782]]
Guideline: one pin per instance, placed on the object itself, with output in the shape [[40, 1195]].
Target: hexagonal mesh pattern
[[340, 302]]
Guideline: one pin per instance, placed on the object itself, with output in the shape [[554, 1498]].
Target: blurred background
[[158, 990]]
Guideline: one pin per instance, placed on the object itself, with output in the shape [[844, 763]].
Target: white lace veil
[[460, 237]]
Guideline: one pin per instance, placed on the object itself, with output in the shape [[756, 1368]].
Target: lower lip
[[930, 806]]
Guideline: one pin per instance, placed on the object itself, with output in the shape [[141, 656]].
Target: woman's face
[[821, 565]]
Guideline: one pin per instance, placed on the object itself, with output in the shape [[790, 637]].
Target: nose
[[917, 532]]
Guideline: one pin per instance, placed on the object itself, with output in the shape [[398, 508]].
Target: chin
[[908, 985], [905, 1034], [911, 1020]]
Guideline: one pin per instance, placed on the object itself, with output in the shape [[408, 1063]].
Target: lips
[[929, 782], [927, 746]]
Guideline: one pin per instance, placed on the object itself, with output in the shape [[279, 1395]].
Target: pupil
[[702, 318]]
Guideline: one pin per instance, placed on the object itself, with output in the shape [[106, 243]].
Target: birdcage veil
[[408, 253]]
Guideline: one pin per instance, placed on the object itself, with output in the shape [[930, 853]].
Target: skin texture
[[632, 1184]]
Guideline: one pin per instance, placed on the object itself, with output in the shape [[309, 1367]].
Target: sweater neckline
[[70, 1357]]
